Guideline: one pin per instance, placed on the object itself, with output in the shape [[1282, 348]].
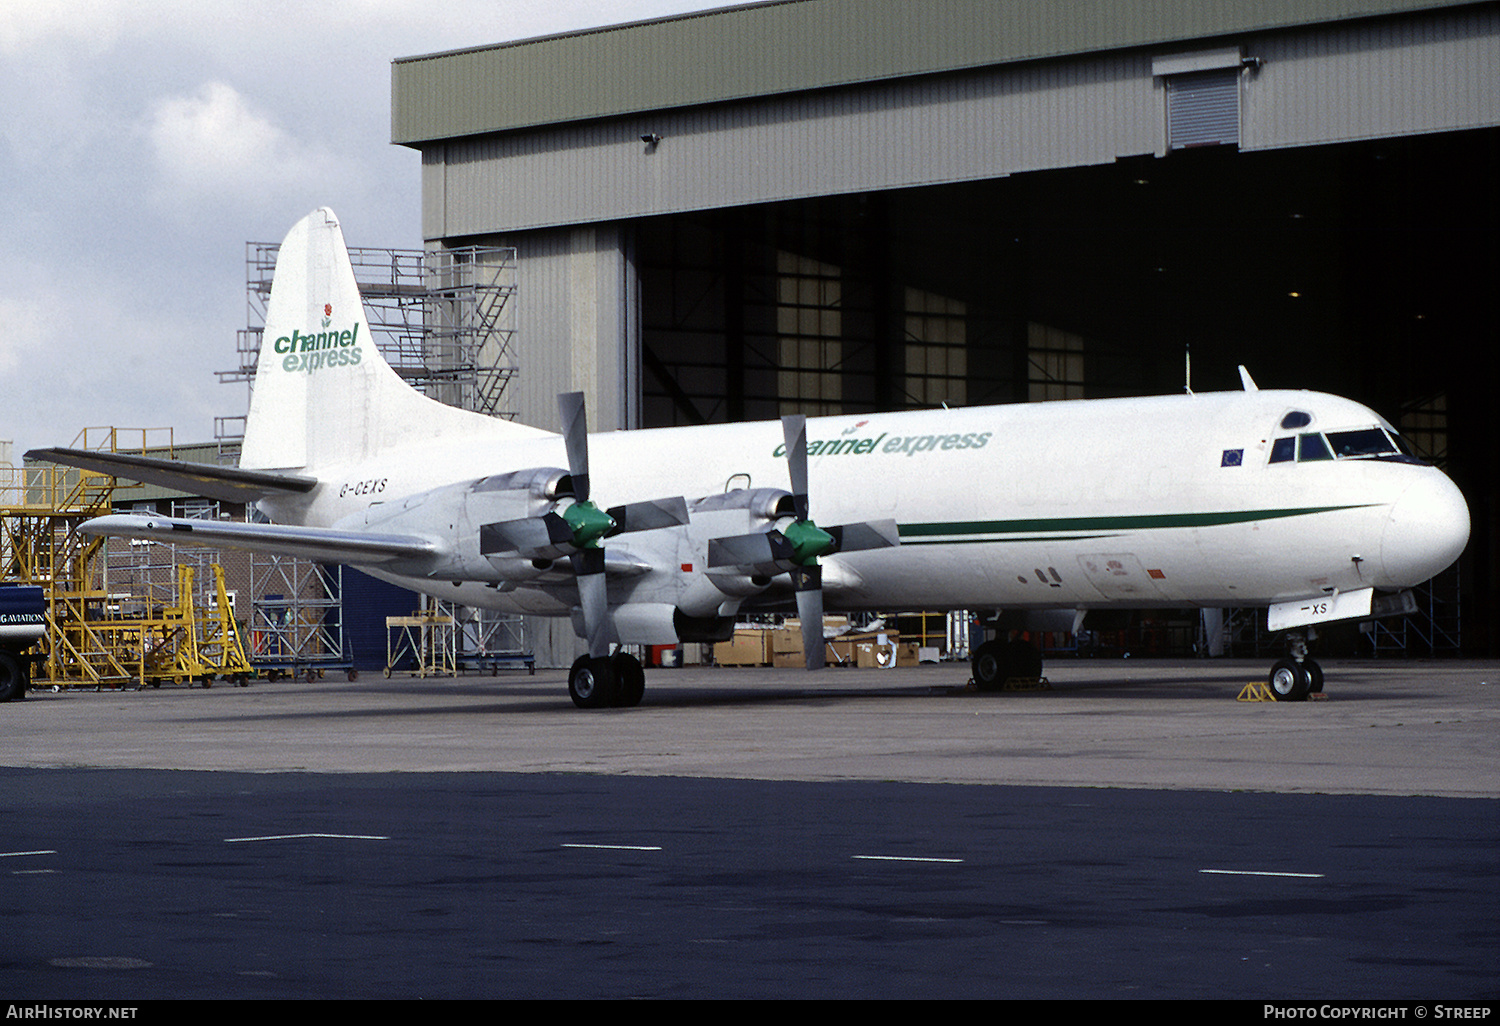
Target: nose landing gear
[[1294, 678]]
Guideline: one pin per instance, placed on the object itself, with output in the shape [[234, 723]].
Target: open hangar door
[[1363, 269]]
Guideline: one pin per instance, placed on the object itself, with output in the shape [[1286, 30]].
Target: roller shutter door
[[1203, 109]]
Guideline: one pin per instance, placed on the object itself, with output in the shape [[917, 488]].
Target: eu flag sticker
[[1232, 457]]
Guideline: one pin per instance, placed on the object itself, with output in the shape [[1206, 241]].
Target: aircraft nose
[[1427, 529]]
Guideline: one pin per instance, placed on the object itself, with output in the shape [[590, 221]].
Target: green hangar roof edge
[[788, 46]]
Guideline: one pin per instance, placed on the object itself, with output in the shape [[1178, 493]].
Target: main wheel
[[991, 666], [1289, 681], [1024, 659], [591, 683], [13, 678], [630, 679]]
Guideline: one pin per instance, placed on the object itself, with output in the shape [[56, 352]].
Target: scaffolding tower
[[297, 617]]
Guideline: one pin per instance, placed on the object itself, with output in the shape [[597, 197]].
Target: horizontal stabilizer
[[230, 484], [321, 544]]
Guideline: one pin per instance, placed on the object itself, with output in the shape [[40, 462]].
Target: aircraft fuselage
[[1158, 501]]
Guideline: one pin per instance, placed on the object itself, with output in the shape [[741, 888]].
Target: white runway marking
[[290, 837], [16, 854], [618, 847], [1257, 872], [902, 858]]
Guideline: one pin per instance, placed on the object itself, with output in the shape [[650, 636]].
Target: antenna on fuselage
[[1187, 357], [1247, 380]]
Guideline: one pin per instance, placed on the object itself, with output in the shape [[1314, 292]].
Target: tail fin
[[323, 393]]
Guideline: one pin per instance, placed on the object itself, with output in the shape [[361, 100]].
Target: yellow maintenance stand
[[91, 639], [40, 510], [429, 636], [191, 644]]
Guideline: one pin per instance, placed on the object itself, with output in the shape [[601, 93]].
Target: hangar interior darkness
[[1363, 269]]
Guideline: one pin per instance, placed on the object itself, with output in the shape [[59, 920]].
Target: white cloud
[[216, 144], [87, 23], [23, 323]]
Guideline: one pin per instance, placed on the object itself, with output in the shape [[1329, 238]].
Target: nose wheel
[[1293, 681]]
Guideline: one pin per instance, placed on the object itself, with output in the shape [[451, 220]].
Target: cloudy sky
[[144, 142]]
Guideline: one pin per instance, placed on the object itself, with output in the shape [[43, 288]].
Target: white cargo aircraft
[[1305, 503]]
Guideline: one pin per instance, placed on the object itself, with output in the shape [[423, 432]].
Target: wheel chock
[[1260, 691], [1013, 684]]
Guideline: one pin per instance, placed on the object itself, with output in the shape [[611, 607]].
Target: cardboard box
[[746, 648], [877, 651]]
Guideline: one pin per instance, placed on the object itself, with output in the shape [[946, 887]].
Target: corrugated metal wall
[[892, 135], [1423, 73], [1398, 76], [764, 49]]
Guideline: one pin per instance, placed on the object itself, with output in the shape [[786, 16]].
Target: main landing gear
[[616, 681], [1295, 677], [997, 661]]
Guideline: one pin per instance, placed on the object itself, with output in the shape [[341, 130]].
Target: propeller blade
[[808, 582], [543, 537], [763, 551], [872, 534], [649, 516], [593, 599], [575, 432], [794, 431]]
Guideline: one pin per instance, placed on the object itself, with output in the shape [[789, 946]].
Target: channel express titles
[[316, 350]]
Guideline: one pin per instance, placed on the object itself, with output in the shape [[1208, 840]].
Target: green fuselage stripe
[[1002, 541], [1139, 522]]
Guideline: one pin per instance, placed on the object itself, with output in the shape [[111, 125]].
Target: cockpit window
[[1370, 443], [1295, 419], [1404, 446], [1365, 442], [1312, 447]]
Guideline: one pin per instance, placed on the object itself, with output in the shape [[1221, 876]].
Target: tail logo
[[315, 350]]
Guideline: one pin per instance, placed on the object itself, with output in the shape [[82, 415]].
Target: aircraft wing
[[230, 484], [322, 544]]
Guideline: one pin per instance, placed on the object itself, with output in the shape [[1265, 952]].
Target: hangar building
[[834, 206]]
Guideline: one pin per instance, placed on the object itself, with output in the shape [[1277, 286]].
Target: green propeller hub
[[808, 541], [588, 523]]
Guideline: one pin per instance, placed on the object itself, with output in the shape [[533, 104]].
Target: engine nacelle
[[455, 513], [716, 595], [751, 503], [660, 623]]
